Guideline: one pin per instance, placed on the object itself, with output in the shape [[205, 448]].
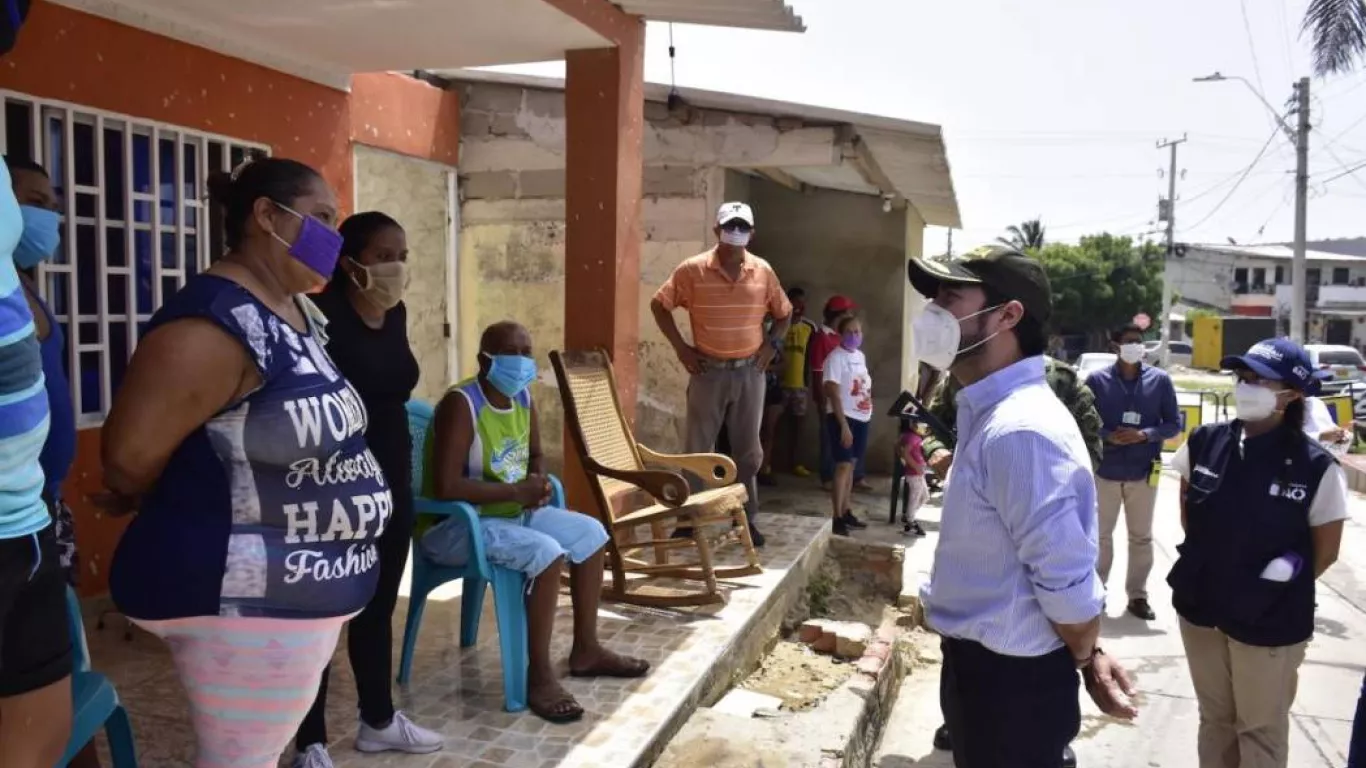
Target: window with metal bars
[[136, 225]]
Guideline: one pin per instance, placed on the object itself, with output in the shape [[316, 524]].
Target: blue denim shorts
[[528, 543], [854, 453]]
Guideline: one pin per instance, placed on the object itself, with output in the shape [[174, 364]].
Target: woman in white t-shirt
[[1319, 424], [848, 391]]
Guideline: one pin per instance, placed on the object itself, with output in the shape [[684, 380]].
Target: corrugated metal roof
[[1277, 252], [774, 15]]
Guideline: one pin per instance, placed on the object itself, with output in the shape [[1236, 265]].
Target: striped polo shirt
[[727, 316], [23, 390]]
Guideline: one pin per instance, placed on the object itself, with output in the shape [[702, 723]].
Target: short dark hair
[[1125, 330], [845, 321], [278, 179], [357, 232], [1030, 332], [24, 164], [796, 293]]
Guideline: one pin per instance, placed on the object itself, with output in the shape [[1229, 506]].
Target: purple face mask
[[317, 247], [852, 340]]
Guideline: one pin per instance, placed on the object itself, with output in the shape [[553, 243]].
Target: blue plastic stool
[[509, 587], [94, 702]]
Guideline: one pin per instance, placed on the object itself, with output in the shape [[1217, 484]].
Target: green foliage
[[1102, 282], [1024, 237], [1194, 314]]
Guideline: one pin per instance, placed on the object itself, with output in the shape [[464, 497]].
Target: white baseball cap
[[732, 211]]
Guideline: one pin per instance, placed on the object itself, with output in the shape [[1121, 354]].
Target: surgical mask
[[736, 237], [852, 341], [1131, 353], [937, 334], [1254, 402], [510, 374], [42, 234], [317, 247], [383, 283]]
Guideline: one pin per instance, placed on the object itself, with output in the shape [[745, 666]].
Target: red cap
[[840, 304]]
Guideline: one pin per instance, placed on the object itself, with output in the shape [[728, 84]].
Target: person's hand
[[533, 492], [114, 504], [940, 461], [1110, 687], [846, 436], [765, 359], [1127, 436], [1335, 435], [689, 357]]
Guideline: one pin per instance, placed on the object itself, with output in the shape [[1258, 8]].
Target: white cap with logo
[[731, 211]]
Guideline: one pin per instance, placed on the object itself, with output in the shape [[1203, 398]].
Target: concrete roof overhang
[[327, 41], [903, 161]]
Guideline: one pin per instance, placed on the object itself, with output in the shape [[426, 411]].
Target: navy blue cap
[[1278, 360]]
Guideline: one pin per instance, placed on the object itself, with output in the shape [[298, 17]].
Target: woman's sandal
[[564, 709]]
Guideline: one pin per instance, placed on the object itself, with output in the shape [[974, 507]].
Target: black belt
[[728, 365]]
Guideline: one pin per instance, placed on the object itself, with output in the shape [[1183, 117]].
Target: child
[[848, 393], [917, 491]]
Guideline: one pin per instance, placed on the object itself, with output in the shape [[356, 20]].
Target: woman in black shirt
[[368, 341]]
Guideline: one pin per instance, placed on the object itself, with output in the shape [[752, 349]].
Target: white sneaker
[[314, 757], [402, 735]]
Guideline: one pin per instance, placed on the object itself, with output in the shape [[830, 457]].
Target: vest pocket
[[1185, 579], [1253, 598]]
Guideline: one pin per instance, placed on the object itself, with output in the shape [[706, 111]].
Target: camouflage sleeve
[[943, 406], [1082, 403]]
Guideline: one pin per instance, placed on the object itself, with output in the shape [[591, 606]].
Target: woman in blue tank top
[[243, 449]]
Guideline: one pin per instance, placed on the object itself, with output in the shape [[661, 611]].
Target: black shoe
[[853, 522], [942, 741], [1069, 758], [913, 529], [755, 536], [1141, 609], [839, 527], [765, 479]]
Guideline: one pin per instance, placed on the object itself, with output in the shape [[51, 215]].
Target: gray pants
[[733, 397]]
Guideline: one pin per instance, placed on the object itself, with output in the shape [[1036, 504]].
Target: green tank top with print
[[501, 450]]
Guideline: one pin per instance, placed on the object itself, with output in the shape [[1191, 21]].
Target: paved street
[[1164, 734]]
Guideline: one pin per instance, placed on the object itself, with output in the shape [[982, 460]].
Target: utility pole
[[1167, 213], [1298, 277], [950, 255]]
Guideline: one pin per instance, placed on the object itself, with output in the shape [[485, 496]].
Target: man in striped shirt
[[1014, 592], [727, 292]]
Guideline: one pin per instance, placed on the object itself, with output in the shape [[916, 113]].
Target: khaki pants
[[1138, 499], [1245, 693]]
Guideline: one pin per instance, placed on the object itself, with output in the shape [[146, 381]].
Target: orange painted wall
[[75, 57]]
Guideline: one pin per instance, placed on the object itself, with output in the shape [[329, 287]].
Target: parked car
[[1346, 364], [1178, 353], [1094, 361]]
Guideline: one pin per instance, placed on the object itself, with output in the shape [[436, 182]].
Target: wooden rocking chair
[[632, 495]]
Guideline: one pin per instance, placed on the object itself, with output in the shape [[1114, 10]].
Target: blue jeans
[[1356, 753], [828, 458]]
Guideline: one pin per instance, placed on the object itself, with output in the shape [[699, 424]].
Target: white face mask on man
[[1131, 353], [937, 334], [738, 238]]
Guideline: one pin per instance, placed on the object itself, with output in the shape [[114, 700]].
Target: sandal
[[614, 665], [561, 710]]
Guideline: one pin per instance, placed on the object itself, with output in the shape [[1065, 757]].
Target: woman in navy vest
[[1263, 507]]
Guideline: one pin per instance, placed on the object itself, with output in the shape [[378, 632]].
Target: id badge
[[1131, 418]]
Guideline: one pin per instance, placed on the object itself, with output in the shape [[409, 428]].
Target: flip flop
[[552, 714]]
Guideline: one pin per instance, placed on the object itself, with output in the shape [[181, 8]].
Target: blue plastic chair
[[509, 587], [94, 702]]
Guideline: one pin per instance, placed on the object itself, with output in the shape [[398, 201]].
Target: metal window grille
[[136, 225]]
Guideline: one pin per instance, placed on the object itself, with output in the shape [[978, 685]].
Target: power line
[[1252, 48], [1246, 172]]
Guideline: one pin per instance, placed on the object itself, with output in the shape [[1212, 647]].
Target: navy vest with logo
[[1243, 510]]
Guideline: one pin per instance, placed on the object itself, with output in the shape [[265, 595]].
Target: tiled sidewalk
[[459, 693]]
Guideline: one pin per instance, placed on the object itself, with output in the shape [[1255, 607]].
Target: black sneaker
[[853, 522], [942, 741], [1069, 758], [1141, 609], [839, 527], [913, 529]]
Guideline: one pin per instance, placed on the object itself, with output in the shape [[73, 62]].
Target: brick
[[669, 181], [851, 639], [546, 103], [489, 185], [535, 184], [870, 666], [826, 643], [474, 123], [506, 125], [494, 98], [810, 631]]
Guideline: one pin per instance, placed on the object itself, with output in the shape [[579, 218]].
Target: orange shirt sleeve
[[676, 292], [778, 304]]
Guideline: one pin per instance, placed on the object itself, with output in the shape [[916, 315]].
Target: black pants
[[370, 636], [35, 640], [1008, 711]]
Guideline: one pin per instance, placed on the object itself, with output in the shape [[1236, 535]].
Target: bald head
[[505, 338]]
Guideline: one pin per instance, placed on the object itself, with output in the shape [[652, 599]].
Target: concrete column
[[914, 302], [604, 109]]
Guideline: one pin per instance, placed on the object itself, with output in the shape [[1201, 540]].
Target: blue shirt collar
[[994, 388]]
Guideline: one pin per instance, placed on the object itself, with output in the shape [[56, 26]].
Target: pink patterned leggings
[[250, 681]]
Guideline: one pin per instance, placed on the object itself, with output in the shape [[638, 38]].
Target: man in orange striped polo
[[727, 292]]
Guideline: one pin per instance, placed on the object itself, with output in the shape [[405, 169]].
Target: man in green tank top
[[485, 449]]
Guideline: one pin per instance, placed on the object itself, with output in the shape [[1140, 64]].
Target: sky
[[1053, 108]]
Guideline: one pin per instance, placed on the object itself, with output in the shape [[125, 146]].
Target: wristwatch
[[1089, 660]]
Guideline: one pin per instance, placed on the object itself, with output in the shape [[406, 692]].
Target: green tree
[[1102, 282], [1027, 236], [1337, 32]]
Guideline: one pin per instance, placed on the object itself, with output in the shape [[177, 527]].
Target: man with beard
[[1014, 593]]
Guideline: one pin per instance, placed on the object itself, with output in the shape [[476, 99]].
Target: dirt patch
[[797, 675]]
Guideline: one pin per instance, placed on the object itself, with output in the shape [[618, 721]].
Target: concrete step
[[908, 736]]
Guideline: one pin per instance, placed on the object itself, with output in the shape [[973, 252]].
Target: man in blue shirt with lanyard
[[1014, 592], [1137, 405]]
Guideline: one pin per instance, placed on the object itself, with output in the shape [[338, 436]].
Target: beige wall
[[415, 193]]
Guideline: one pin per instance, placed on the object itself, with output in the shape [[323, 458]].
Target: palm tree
[[1029, 235], [1337, 30]]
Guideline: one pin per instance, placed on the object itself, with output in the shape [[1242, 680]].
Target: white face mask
[[1131, 353], [937, 333], [1254, 402], [735, 237]]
